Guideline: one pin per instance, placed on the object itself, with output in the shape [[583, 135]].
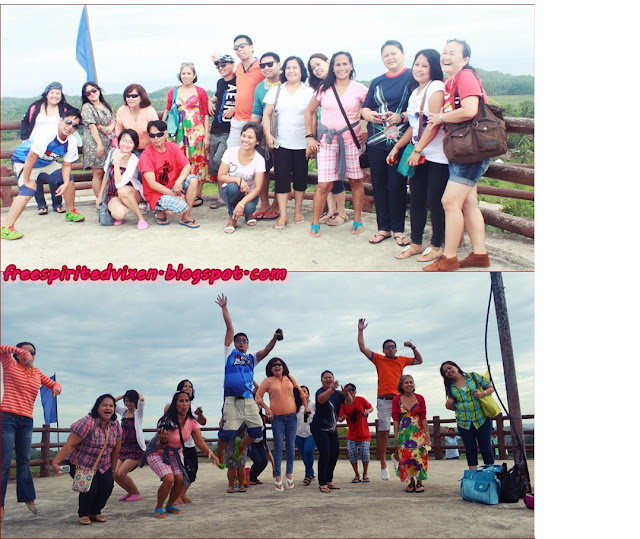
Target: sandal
[[43, 211], [419, 487], [159, 513], [217, 204], [378, 237], [401, 239], [365, 479], [289, 482], [429, 254], [332, 486], [325, 217], [230, 490], [315, 231], [260, 214], [85, 521], [198, 202], [186, 499], [337, 220], [411, 487], [97, 518], [324, 488], [271, 214], [279, 487], [190, 224], [298, 218], [408, 252], [173, 510], [357, 228], [231, 226], [281, 223], [356, 479], [161, 220], [251, 220], [256, 482], [60, 209], [307, 480]]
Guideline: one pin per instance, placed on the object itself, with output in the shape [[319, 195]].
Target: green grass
[[512, 99]]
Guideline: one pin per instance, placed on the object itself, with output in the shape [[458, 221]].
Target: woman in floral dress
[[193, 123], [411, 431]]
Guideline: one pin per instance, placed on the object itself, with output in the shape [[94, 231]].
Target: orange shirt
[[21, 385], [246, 82], [281, 400], [389, 372]]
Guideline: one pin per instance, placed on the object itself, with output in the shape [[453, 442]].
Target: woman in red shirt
[[21, 387]]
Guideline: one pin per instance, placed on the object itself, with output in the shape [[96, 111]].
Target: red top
[[21, 384], [202, 97], [356, 421], [166, 166], [468, 83]]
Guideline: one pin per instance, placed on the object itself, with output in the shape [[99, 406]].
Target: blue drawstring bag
[[481, 485]]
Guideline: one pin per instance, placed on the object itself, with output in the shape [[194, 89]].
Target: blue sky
[[128, 49], [150, 336]]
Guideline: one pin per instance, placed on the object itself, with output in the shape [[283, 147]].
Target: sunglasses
[[221, 65], [157, 135], [266, 64], [132, 96], [352, 389], [72, 124], [91, 92], [277, 365], [389, 346], [240, 46], [242, 340]]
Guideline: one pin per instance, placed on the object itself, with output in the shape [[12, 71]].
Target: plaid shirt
[[93, 437], [468, 411]]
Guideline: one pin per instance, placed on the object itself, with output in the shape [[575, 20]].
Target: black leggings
[[428, 185], [257, 452], [328, 446]]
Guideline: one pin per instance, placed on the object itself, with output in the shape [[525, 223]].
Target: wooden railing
[[437, 431], [514, 173]]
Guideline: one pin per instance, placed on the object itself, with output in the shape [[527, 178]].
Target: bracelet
[[440, 116], [310, 136], [415, 150], [241, 205]]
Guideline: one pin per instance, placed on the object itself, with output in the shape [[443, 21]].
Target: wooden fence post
[[436, 440], [501, 439], [44, 451]]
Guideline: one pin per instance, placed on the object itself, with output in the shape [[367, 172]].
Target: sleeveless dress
[[129, 448], [191, 133], [412, 439]]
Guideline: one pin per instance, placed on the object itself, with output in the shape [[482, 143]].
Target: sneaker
[[395, 463], [221, 462], [442, 263], [74, 216], [384, 474], [476, 261], [237, 452], [10, 233]]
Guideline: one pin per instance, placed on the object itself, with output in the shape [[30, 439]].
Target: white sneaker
[[395, 463], [384, 474]]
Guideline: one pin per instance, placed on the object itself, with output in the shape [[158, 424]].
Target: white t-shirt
[[246, 172], [43, 122], [45, 136], [291, 109], [434, 151]]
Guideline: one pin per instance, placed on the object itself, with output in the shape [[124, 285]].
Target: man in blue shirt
[[37, 161], [239, 404]]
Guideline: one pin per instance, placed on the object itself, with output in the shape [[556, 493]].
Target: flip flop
[[43, 211], [324, 488], [60, 209], [407, 252], [410, 488], [271, 215], [159, 513], [401, 239], [325, 217], [190, 224], [173, 510], [378, 237], [419, 487], [230, 490], [429, 255], [217, 204], [260, 215], [315, 231], [85, 521], [332, 486], [198, 202], [162, 221], [366, 480], [356, 480], [97, 518], [357, 228]]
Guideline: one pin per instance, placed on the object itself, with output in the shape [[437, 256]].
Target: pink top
[[174, 436], [21, 384], [93, 438], [124, 120], [352, 99]]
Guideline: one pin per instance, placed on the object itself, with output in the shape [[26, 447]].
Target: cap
[[224, 59]]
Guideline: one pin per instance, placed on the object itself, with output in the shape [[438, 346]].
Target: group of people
[[112, 448], [271, 113]]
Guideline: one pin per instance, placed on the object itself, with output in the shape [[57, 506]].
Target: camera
[[166, 424], [279, 334]]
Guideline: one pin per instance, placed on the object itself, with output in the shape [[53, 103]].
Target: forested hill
[[495, 83]]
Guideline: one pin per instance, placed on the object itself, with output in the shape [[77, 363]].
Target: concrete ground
[[50, 242], [376, 509]]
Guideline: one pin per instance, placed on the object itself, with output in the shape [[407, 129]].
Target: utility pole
[[508, 363]]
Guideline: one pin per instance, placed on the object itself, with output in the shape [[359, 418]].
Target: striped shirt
[[21, 384], [468, 410], [93, 437]]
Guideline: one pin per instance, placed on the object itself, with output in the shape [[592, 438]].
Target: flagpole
[[56, 398], [93, 58]]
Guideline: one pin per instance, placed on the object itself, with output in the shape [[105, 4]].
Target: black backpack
[[512, 485]]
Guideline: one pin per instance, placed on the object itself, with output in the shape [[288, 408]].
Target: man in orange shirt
[[389, 367], [248, 76]]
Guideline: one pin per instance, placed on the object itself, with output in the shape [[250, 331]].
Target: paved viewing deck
[[376, 509], [51, 242]]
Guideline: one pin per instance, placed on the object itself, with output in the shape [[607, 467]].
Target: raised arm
[[417, 358], [267, 349], [222, 302], [361, 327]]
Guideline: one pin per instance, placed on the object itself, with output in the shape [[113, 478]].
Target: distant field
[[512, 99]]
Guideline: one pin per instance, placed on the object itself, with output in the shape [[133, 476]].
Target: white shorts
[[384, 414]]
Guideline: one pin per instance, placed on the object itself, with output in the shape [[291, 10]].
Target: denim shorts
[[468, 174]]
